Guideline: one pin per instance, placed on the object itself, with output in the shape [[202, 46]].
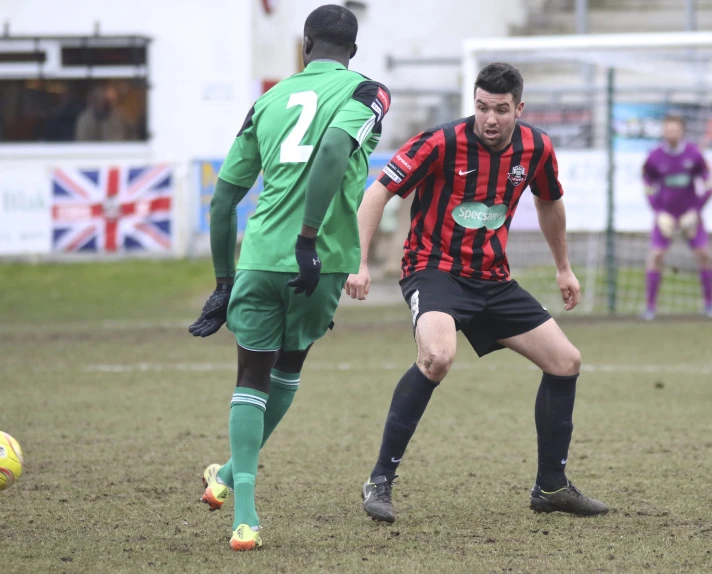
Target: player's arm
[[552, 221], [352, 125], [702, 172], [223, 228], [370, 214], [237, 176], [325, 178], [651, 183], [410, 166]]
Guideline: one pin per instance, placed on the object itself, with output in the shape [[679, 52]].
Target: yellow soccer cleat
[[215, 493], [246, 538]]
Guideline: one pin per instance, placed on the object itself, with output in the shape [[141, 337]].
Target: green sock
[[282, 390], [225, 473], [283, 387], [247, 416]]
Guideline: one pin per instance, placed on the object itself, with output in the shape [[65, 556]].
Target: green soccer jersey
[[281, 136]]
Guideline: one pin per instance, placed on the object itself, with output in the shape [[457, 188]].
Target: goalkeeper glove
[[214, 313], [309, 266]]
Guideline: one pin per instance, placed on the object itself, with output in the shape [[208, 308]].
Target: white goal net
[[601, 99]]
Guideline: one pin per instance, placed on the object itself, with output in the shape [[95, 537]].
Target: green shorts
[[266, 315]]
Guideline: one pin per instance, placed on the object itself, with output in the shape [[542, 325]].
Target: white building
[[203, 67]]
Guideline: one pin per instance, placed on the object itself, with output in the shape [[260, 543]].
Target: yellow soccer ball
[[10, 460]]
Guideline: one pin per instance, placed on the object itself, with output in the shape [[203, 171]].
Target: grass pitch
[[119, 410]]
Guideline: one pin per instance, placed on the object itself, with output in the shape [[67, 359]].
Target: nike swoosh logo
[[396, 461], [466, 172], [564, 460]]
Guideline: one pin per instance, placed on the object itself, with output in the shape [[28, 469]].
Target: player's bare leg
[[436, 338], [704, 264], [548, 348], [284, 383], [653, 277]]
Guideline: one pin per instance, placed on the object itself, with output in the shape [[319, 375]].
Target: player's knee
[[575, 361], [568, 362], [254, 368], [291, 361], [656, 260], [703, 257], [436, 362]]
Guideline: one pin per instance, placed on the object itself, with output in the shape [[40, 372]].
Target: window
[[104, 56], [22, 57], [73, 89], [67, 110]]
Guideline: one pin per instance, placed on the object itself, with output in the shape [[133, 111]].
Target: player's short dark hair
[[332, 24], [501, 78], [675, 118]]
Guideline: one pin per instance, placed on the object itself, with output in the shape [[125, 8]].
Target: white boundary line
[[344, 366], [80, 326]]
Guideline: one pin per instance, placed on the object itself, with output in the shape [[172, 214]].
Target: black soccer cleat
[[376, 495], [567, 499]]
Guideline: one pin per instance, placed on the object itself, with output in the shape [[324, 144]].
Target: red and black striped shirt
[[467, 195]]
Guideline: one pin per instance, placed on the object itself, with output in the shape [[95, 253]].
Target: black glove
[[214, 313], [309, 266]]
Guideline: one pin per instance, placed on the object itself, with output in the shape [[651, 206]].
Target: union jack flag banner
[[114, 209]]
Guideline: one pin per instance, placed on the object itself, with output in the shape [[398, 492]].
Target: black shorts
[[485, 311]]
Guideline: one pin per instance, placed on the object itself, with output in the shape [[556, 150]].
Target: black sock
[[553, 412], [410, 398]]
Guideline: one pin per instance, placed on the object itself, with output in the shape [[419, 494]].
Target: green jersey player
[[311, 135]]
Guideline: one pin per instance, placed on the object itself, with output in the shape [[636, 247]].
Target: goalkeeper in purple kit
[[671, 174]]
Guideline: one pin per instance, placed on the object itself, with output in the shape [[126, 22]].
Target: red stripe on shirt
[[458, 193]]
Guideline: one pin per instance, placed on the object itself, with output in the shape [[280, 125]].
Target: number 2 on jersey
[[291, 150]]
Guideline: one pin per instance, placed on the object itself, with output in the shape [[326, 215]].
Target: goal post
[[475, 49], [601, 99]]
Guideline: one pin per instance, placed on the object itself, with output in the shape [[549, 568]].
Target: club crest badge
[[517, 175]]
